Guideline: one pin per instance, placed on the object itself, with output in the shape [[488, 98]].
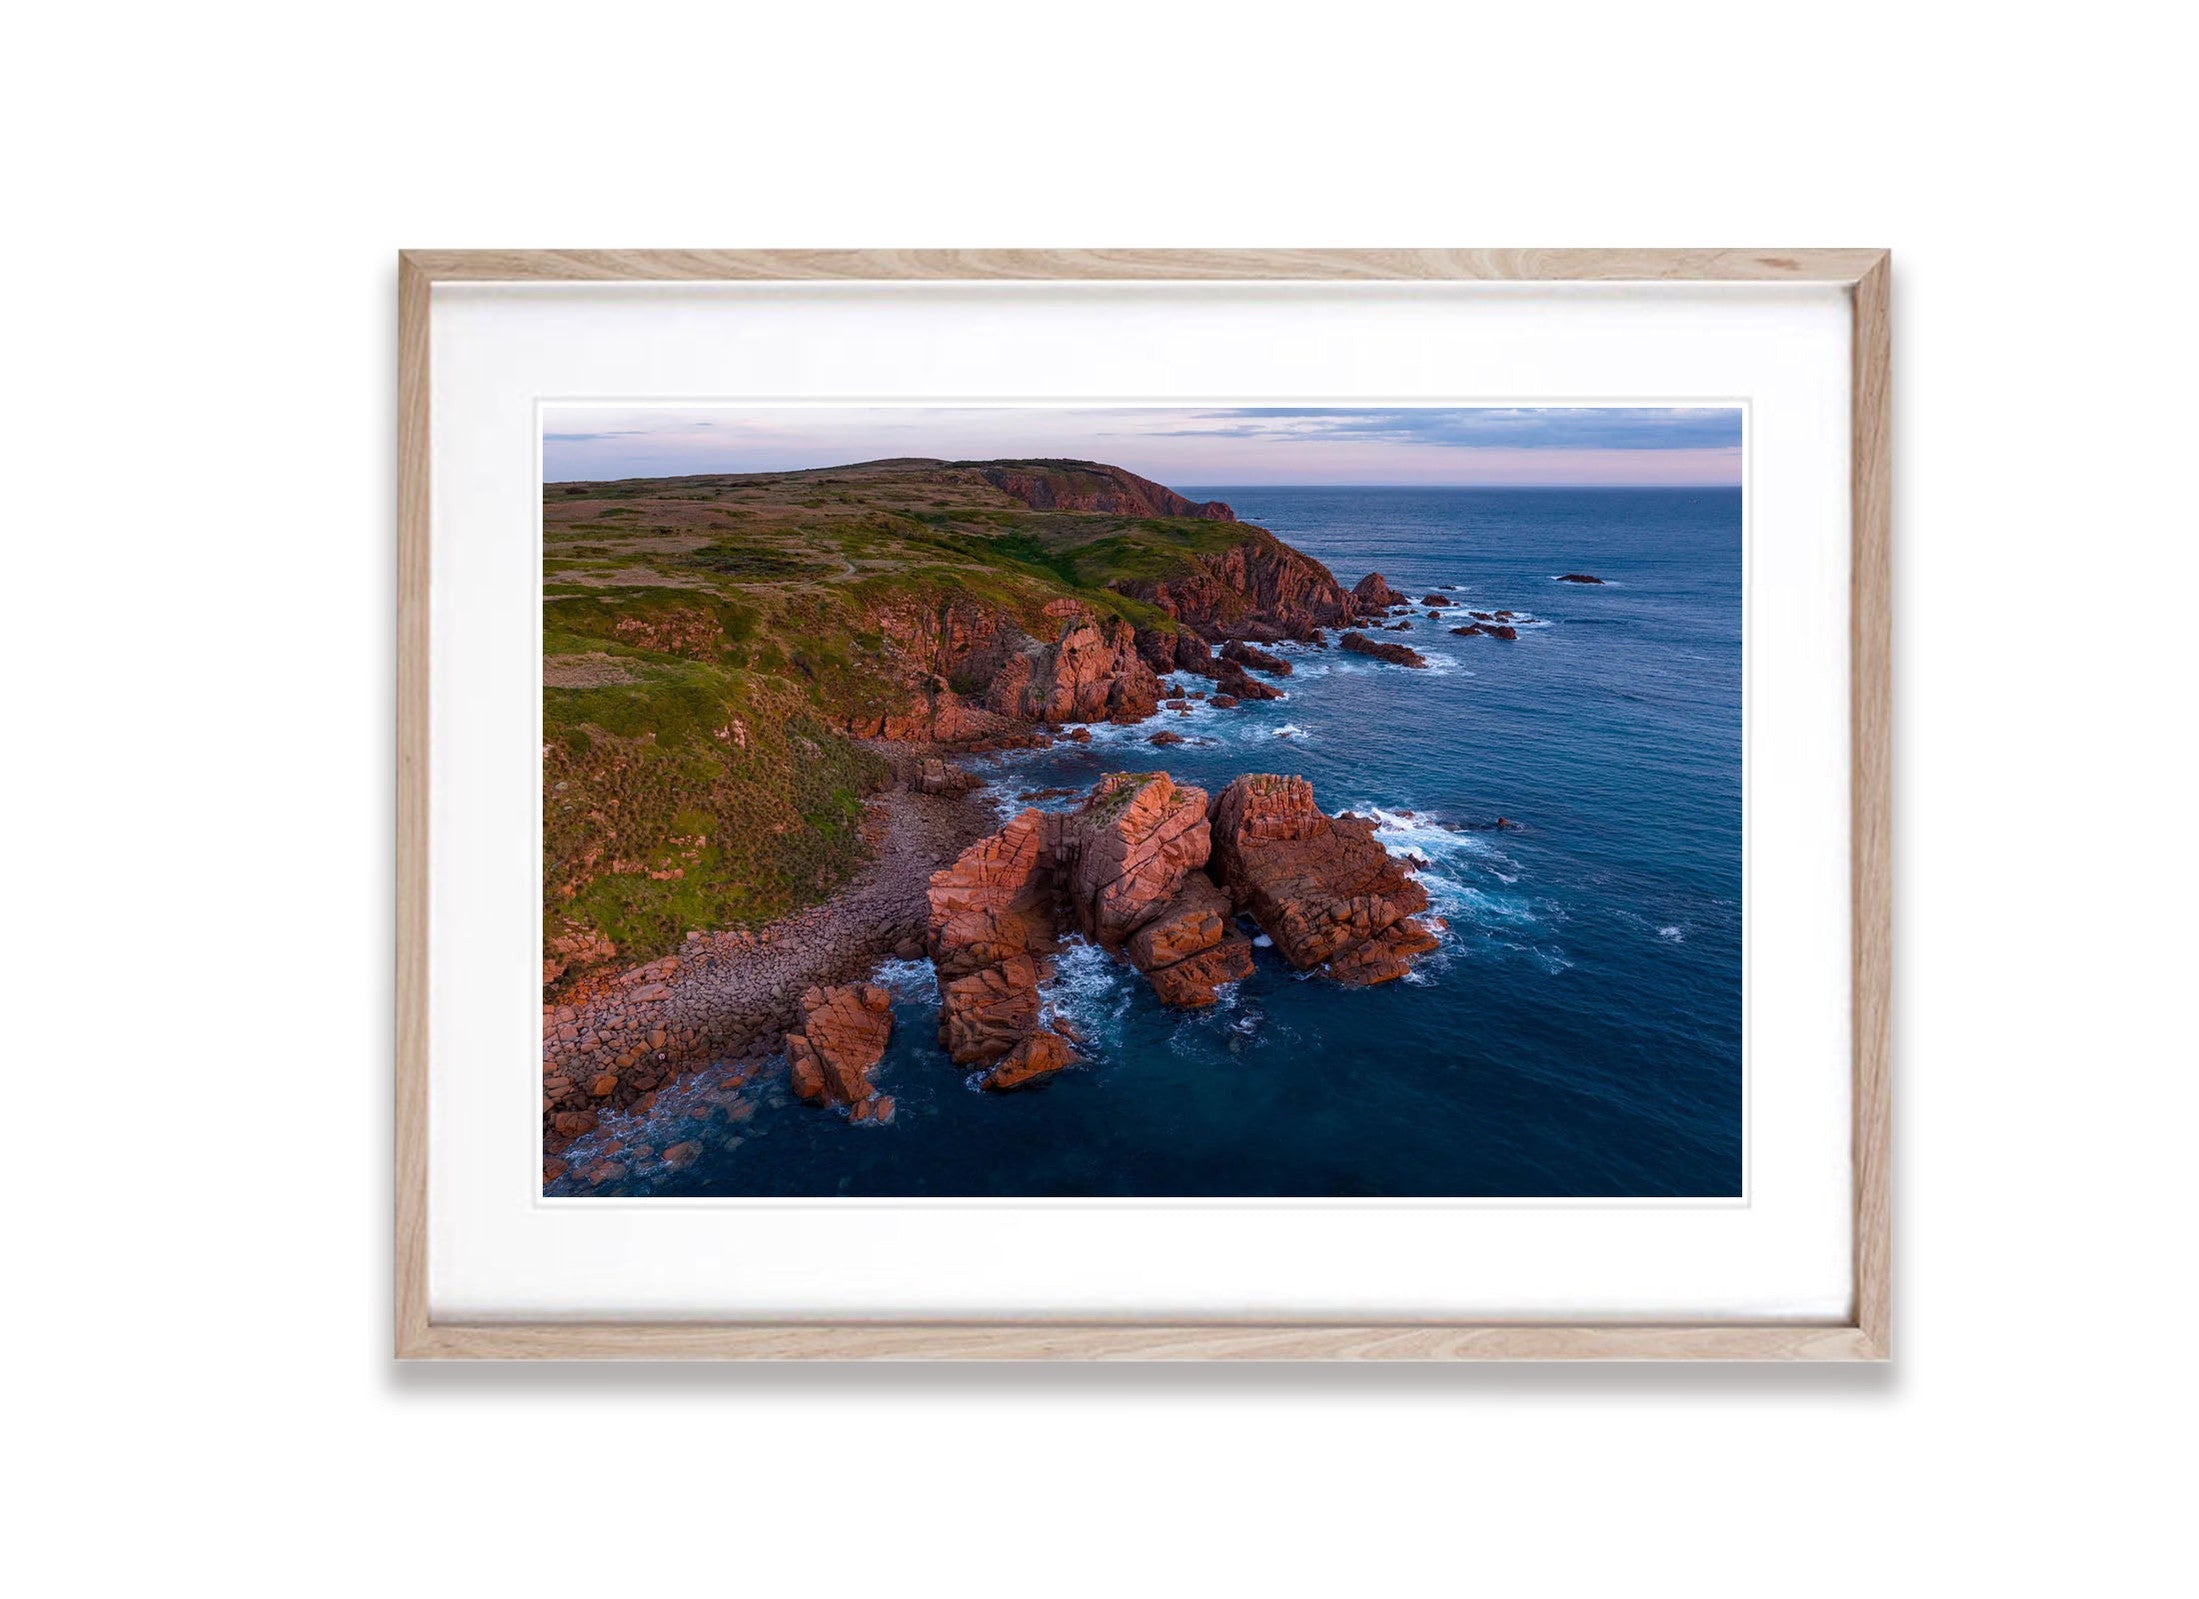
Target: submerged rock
[[1579, 577]]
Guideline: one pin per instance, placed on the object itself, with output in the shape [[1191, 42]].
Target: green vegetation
[[709, 639]]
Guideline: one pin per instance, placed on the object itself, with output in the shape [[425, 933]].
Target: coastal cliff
[[730, 660]]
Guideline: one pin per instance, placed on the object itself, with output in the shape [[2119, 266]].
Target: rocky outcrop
[[1035, 1058], [1257, 588], [996, 901], [1190, 948], [1096, 489], [1579, 577], [1402, 654], [971, 677], [1320, 886], [1238, 652], [1502, 630], [1468, 631], [1092, 672], [843, 1035], [1372, 595], [1433, 599], [982, 1017], [1125, 854]]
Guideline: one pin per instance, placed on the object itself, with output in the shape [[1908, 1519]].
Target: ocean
[[1577, 1034]]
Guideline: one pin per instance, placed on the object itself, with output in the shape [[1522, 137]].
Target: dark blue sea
[[1579, 1031]]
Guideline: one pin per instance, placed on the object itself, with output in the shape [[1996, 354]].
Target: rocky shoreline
[[1154, 872], [730, 996]]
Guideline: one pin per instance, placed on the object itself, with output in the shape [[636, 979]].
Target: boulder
[[1038, 1056], [1579, 577], [1190, 983], [843, 1035], [1501, 630], [1468, 631], [1321, 887], [1225, 702], [1164, 738], [935, 776], [984, 1015], [1194, 920], [1433, 599]]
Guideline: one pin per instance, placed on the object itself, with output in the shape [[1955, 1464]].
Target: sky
[[1178, 446]]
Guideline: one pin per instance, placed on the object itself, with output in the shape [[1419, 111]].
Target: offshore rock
[[1190, 983], [1321, 887], [1038, 1056], [1402, 654], [843, 1035], [1252, 655], [985, 1015], [1372, 594]]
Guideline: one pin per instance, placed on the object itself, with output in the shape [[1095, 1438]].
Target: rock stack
[[1156, 873]]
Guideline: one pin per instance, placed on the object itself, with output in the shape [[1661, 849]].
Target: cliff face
[[971, 676], [1260, 589], [1091, 488]]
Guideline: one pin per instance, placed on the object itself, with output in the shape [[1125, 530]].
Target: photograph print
[[1043, 802]]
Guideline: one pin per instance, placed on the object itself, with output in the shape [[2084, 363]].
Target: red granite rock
[[1320, 886], [996, 900], [984, 1015], [843, 1035], [1038, 1056], [1125, 853], [1189, 983]]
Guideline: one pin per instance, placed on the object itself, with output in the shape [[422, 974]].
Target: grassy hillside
[[704, 637]]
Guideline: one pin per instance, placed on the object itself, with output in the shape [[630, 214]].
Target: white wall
[[198, 502]]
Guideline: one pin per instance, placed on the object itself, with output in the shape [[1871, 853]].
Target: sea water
[[1578, 1032]]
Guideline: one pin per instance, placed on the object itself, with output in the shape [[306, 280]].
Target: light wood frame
[[1863, 1336]]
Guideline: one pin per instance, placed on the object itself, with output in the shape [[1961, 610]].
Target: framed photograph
[[1143, 804]]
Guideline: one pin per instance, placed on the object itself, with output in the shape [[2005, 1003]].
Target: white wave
[[1289, 730], [1677, 935], [908, 981], [1089, 989]]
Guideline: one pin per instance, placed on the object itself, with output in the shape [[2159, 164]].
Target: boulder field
[[1156, 872]]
